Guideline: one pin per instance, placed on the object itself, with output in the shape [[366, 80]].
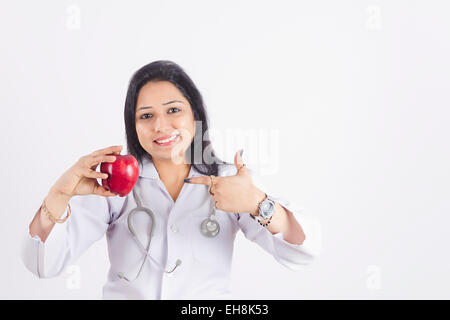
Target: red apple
[[122, 174]]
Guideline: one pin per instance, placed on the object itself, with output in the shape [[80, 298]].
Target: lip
[[165, 137], [167, 143]]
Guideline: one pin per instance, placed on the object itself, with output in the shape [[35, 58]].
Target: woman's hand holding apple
[[81, 178]]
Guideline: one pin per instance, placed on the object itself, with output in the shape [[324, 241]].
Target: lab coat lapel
[[191, 200]]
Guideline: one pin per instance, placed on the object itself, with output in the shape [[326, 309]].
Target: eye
[[150, 115], [174, 108], [145, 115]]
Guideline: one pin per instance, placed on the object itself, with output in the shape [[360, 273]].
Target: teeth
[[166, 140]]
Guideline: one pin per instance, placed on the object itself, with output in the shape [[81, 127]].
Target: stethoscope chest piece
[[210, 228]]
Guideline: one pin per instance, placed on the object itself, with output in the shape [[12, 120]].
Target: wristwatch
[[266, 209]]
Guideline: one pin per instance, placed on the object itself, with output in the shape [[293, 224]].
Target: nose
[[160, 123]]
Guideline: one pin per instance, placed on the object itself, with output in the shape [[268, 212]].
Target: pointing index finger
[[199, 180]]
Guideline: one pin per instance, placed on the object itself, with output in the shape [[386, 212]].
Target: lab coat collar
[[148, 170]]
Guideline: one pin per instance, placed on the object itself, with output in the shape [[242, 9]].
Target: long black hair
[[164, 70]]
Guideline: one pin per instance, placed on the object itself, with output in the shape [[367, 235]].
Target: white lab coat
[[206, 262]]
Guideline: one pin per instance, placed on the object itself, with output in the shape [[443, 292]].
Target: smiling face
[[164, 121]]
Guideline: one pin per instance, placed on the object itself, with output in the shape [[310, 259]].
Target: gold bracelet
[[51, 217]]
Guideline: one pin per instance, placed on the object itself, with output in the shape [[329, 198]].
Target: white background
[[358, 92]]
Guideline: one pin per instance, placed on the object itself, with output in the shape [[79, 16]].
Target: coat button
[[174, 228]]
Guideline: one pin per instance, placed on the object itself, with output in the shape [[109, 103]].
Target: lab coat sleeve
[[290, 255], [88, 222]]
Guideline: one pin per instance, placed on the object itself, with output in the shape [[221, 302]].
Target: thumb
[[102, 191], [239, 163]]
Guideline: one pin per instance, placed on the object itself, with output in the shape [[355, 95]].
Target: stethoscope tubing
[[207, 233], [146, 251]]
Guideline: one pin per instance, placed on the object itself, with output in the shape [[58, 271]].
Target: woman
[[199, 203]]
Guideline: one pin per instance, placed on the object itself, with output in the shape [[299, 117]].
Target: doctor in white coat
[[177, 254]]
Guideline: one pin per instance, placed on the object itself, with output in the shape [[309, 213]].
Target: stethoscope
[[209, 228]]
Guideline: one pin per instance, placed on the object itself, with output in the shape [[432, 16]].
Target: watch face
[[267, 209]]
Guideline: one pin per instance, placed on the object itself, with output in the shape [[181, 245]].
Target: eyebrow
[[166, 103]]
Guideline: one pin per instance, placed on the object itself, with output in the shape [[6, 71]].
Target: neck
[[170, 171]]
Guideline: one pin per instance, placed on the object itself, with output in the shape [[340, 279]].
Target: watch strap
[[258, 217]]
